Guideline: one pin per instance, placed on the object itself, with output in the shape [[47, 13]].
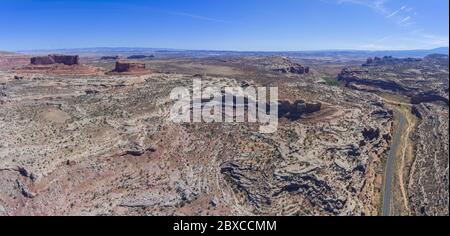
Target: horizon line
[[227, 50]]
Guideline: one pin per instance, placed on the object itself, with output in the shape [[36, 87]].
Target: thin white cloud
[[408, 37], [402, 16], [198, 17], [377, 5], [171, 12], [403, 8], [393, 14], [404, 20]]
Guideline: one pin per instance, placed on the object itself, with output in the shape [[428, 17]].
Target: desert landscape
[[91, 135], [215, 116]]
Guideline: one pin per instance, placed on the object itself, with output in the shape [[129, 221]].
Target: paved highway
[[390, 165]]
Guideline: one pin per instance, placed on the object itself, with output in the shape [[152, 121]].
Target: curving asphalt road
[[390, 165]]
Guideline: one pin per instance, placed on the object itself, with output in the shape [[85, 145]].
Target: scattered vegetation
[[332, 82]]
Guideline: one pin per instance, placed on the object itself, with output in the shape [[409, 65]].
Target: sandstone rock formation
[[55, 59], [278, 64], [57, 65], [105, 58], [44, 60], [129, 68], [356, 76], [388, 60], [294, 110], [293, 68]]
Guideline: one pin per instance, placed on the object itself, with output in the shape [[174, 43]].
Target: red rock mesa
[[56, 59]]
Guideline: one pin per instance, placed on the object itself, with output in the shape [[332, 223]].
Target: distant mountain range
[[350, 54]]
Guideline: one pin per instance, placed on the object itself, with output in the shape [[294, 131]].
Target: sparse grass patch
[[332, 82]]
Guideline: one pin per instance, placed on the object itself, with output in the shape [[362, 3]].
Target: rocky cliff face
[[388, 60], [278, 64], [129, 67], [55, 59], [421, 80], [294, 69], [295, 110], [362, 77], [66, 59], [46, 60], [287, 66]]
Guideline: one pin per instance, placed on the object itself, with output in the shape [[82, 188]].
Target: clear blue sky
[[225, 24]]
